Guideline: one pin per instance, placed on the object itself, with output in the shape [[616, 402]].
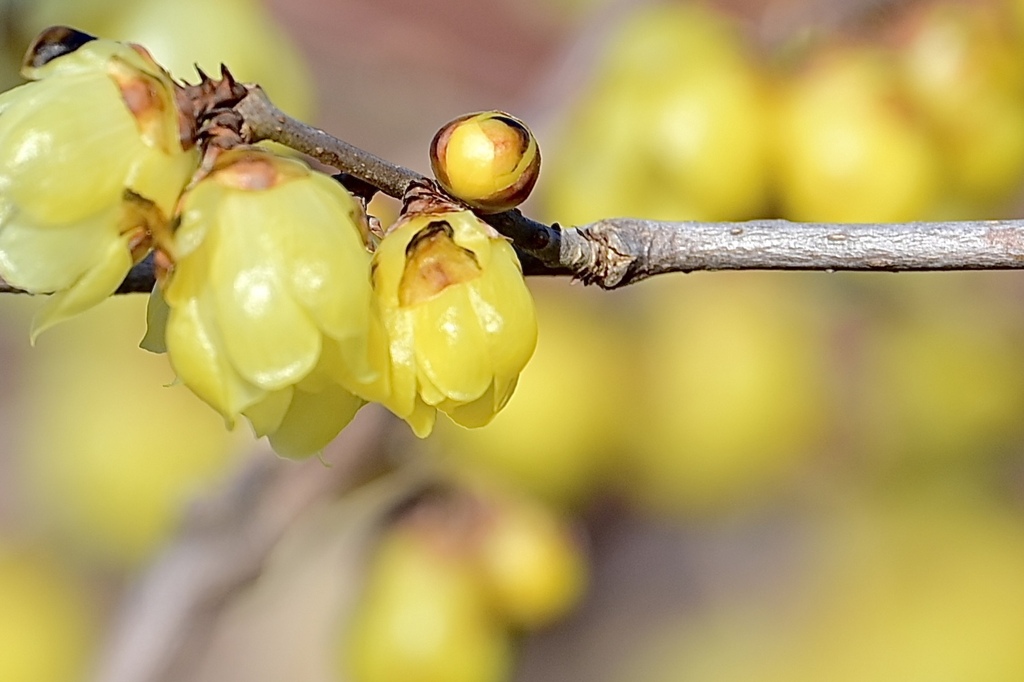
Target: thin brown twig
[[264, 121]]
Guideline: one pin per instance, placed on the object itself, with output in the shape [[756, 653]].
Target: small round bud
[[489, 160]]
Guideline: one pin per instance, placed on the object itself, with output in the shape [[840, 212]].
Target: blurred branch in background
[[165, 622]]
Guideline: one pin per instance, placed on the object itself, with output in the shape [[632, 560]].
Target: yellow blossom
[[268, 298], [459, 319], [90, 163]]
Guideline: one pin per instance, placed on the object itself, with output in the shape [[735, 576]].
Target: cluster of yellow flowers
[[273, 302]]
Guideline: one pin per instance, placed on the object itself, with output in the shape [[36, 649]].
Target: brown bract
[[424, 197], [206, 112], [139, 94], [433, 263], [253, 173]]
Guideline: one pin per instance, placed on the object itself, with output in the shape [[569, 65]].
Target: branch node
[[600, 256]]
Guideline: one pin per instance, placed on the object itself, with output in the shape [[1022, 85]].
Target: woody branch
[[616, 252], [619, 251]]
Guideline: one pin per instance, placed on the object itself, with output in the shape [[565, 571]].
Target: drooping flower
[[459, 319], [268, 298], [91, 162]]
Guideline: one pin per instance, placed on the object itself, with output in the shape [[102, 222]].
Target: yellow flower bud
[[534, 569], [458, 316], [268, 298], [422, 616], [489, 160], [90, 164]]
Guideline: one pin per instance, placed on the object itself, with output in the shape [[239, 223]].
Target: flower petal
[[451, 347], [421, 419], [505, 307], [322, 248], [266, 415], [157, 311], [196, 354], [313, 420], [268, 337], [42, 259], [58, 166], [400, 397], [475, 413], [94, 286]]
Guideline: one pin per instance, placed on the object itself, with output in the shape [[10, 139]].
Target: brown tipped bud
[[490, 160], [54, 42]]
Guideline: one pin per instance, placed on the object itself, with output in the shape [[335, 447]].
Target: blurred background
[[715, 476]]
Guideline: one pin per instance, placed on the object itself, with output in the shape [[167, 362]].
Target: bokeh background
[[715, 476]]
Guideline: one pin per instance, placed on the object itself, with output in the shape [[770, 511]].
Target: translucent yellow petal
[[157, 312], [193, 227], [421, 419], [503, 391], [428, 392], [197, 358], [358, 364], [266, 415], [66, 148], [505, 307], [318, 243], [473, 414], [10, 97], [401, 396], [160, 177], [313, 420], [267, 336], [389, 263], [471, 233], [191, 276], [94, 286], [41, 259], [451, 347]]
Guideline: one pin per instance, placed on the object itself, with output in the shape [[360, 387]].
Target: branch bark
[[616, 252], [619, 251]]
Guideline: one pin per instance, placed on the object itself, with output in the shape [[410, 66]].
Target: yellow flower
[[458, 316], [90, 164], [268, 298]]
